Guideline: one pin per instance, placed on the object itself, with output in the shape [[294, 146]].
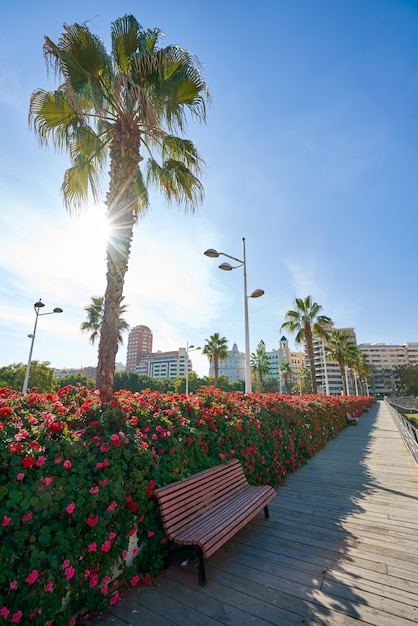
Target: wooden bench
[[203, 511], [351, 419]]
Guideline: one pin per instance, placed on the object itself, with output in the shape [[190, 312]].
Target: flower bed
[[77, 479]]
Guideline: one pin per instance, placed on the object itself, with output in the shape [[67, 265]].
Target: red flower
[[92, 520], [28, 462], [15, 447], [6, 410]]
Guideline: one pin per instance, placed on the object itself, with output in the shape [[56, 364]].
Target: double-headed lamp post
[[190, 348], [255, 294], [37, 306]]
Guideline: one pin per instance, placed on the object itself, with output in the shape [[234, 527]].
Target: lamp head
[[226, 266], [38, 305], [257, 293], [212, 253], [57, 309]]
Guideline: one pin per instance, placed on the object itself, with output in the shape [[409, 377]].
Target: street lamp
[[255, 294], [37, 306], [190, 348]]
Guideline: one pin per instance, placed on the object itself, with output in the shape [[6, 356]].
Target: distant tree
[[216, 349], [361, 368], [340, 348], [271, 385], [306, 322], [94, 320], [285, 370], [260, 365], [408, 380], [305, 383], [41, 376], [78, 378]]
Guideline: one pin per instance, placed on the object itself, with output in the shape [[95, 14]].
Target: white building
[[233, 366], [165, 364]]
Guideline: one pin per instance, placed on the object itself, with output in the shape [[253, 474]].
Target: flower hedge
[[77, 478]]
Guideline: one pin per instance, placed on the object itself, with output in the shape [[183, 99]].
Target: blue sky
[[311, 154]]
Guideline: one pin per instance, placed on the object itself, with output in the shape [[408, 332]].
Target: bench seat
[[203, 511]]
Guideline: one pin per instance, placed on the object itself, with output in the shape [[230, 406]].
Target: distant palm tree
[[361, 367], [260, 365], [307, 323], [123, 112], [93, 324], [340, 348], [216, 349], [286, 373]]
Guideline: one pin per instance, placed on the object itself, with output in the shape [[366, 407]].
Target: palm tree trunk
[[122, 204], [310, 353]]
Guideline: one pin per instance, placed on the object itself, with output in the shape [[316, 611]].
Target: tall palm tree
[[216, 349], [93, 323], [285, 370], [306, 322], [260, 365], [110, 112], [361, 367], [340, 348]]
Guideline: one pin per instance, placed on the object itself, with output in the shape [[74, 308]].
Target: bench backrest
[[186, 500]]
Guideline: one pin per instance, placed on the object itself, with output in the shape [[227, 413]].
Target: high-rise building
[[233, 366], [139, 347], [170, 364]]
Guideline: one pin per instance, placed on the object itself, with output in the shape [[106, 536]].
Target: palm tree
[[361, 367], [93, 323], [216, 349], [260, 365], [306, 322], [341, 348], [286, 373], [110, 112]]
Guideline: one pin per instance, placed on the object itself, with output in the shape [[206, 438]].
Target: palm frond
[[176, 182]]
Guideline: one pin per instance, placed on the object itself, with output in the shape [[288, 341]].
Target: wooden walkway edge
[[339, 549]]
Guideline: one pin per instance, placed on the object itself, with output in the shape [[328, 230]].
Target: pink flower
[[114, 598], [17, 617], [32, 577], [69, 572], [67, 464], [40, 461], [92, 520], [6, 520], [106, 546], [65, 564], [105, 590], [151, 533], [4, 612], [27, 517], [47, 480], [112, 505], [134, 580], [49, 586], [112, 536], [125, 555], [70, 508], [94, 489], [20, 476], [92, 547], [106, 580], [94, 579], [13, 584]]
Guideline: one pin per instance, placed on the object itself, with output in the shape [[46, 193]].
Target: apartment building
[[138, 348], [328, 377], [171, 364], [384, 359]]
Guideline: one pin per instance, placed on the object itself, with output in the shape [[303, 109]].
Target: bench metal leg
[[196, 553], [266, 512]]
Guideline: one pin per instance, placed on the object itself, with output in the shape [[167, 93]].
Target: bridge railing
[[408, 432]]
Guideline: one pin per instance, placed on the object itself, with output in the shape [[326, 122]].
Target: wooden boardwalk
[[340, 548]]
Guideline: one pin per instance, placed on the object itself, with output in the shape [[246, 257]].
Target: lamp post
[[190, 348], [37, 306], [255, 294]]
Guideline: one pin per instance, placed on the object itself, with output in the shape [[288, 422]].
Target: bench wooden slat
[[206, 509]]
